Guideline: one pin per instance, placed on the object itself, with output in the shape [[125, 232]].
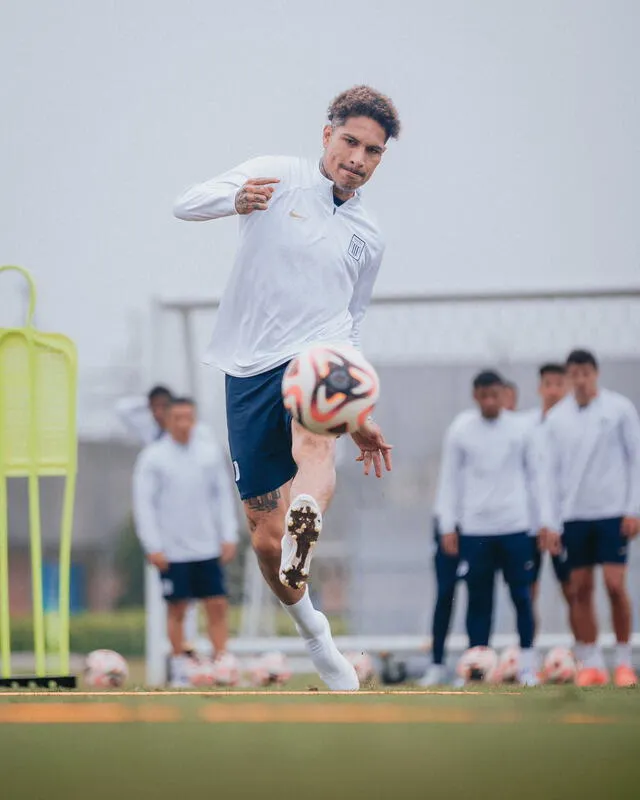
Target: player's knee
[[309, 446], [615, 587], [177, 611], [266, 542]]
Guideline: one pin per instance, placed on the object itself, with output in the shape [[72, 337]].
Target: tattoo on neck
[[265, 502]]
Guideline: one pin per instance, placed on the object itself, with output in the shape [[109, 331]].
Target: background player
[[593, 439], [489, 484], [185, 519], [307, 261], [552, 388]]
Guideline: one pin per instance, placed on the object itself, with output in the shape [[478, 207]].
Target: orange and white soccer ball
[[559, 666], [270, 669], [200, 672], [478, 664], [105, 669], [363, 665], [330, 389], [508, 665], [225, 670]]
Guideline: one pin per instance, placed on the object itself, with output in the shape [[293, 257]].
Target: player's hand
[[228, 552], [158, 560], [254, 195], [373, 448], [550, 541], [630, 527], [450, 544]]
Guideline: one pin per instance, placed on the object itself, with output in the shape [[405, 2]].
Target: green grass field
[[535, 743]]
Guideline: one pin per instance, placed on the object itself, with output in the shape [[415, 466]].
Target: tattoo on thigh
[[264, 502]]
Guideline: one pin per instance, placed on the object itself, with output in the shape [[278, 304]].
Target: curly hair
[[363, 101]]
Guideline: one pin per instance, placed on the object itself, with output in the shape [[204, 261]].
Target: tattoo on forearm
[[265, 502]]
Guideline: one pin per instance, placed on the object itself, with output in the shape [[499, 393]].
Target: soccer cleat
[[625, 676], [592, 676], [303, 524], [334, 669], [528, 677], [436, 675]]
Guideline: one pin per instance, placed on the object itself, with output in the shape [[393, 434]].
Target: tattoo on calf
[[265, 502]]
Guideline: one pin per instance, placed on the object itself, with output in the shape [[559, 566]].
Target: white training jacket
[[594, 457], [490, 477], [304, 270], [183, 499]]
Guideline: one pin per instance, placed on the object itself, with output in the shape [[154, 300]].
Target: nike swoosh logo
[[295, 215]]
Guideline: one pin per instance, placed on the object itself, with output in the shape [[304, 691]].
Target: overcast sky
[[518, 167]]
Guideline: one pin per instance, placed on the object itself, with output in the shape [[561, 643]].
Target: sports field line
[[252, 693], [261, 713]]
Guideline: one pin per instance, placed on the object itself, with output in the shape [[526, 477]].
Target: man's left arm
[[538, 461], [630, 427], [362, 292], [225, 508]]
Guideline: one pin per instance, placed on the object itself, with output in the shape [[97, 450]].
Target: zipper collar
[[325, 186]]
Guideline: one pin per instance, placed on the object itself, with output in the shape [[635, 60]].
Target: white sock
[[579, 652], [593, 658], [623, 654], [528, 659], [310, 623]]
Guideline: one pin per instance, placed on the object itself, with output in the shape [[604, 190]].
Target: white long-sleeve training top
[[594, 457], [183, 499], [304, 269], [491, 476]]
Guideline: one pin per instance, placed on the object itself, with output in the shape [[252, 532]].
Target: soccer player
[[185, 519], [510, 396], [552, 388], [593, 440], [146, 417], [308, 258], [490, 480]]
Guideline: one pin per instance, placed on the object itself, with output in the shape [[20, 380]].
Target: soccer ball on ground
[[559, 666], [478, 664], [105, 669], [200, 672], [508, 665], [363, 665], [270, 669], [330, 389], [225, 670]]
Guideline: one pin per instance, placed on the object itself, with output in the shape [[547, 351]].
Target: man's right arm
[[145, 494], [448, 501], [241, 190]]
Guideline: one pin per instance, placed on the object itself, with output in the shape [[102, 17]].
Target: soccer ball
[[478, 664], [363, 665], [200, 672], [105, 669], [559, 666], [270, 669], [508, 665], [330, 389], [225, 670]]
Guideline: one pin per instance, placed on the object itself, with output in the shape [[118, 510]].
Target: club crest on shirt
[[356, 246]]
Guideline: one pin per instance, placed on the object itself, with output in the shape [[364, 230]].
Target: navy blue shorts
[[560, 565], [446, 565], [511, 553], [597, 541], [193, 580], [259, 429]]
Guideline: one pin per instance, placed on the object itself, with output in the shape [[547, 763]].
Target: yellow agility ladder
[[38, 387]]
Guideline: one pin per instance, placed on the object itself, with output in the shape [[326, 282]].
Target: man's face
[[584, 381], [509, 398], [180, 422], [352, 152], [553, 387], [489, 399], [160, 408]]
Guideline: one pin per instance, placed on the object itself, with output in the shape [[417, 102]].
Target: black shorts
[[193, 580], [597, 541], [259, 429]]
